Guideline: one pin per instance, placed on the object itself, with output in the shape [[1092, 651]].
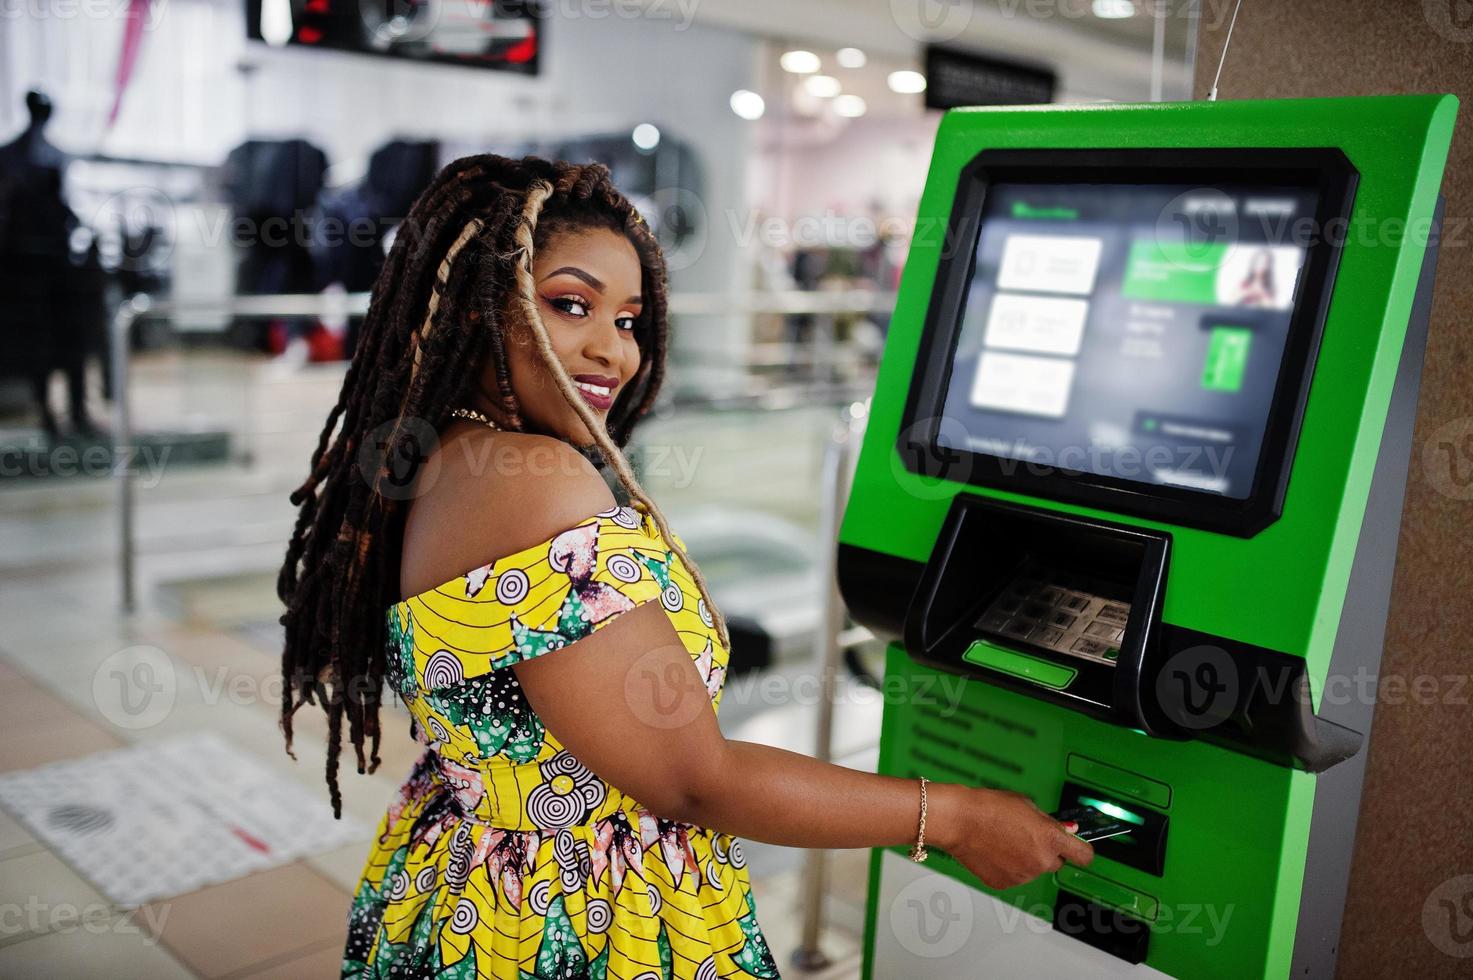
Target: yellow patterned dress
[[506, 857]]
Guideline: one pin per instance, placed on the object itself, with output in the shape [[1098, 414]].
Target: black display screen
[[1103, 332], [1131, 329], [506, 35]]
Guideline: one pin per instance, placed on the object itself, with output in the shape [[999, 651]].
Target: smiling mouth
[[599, 396]]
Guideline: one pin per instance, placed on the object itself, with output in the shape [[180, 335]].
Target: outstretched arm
[[630, 704]]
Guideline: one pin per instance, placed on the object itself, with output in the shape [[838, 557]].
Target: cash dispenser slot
[[1107, 914], [1057, 606]]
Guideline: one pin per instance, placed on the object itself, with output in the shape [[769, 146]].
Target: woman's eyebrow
[[577, 273]]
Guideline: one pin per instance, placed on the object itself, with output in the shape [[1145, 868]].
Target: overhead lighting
[[1113, 9], [850, 106], [822, 86], [799, 62], [850, 58], [747, 104], [646, 136], [907, 82]]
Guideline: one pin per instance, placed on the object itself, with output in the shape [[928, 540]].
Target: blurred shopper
[[48, 320], [575, 810], [272, 186], [352, 222]]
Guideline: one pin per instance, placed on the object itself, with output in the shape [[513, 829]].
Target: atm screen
[[1133, 331]]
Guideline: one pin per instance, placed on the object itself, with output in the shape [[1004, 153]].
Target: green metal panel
[[1399, 145], [1238, 826], [1229, 899]]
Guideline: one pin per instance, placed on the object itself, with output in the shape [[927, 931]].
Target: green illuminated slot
[[1043, 672], [1118, 812]]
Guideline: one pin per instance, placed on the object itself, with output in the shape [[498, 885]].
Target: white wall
[[200, 88]]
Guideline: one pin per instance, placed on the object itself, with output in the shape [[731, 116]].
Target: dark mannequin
[[36, 273]]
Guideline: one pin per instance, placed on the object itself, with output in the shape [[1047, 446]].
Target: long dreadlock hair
[[458, 275]]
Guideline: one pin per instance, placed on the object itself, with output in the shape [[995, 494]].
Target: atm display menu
[[1132, 331]]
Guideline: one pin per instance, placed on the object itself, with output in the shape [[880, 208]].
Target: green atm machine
[[1127, 509]]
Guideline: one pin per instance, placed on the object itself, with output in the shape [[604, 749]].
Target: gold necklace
[[474, 416]]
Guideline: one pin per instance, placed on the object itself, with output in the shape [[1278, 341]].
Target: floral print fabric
[[503, 855]]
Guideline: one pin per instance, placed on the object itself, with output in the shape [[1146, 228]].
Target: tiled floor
[[210, 539]]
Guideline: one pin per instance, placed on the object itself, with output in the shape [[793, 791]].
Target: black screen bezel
[[1324, 169]]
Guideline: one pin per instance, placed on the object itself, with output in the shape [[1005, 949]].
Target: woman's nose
[[603, 344]]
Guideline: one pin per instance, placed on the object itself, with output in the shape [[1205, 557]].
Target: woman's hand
[[1000, 837]]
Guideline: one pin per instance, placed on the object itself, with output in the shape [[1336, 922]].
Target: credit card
[[1091, 825]]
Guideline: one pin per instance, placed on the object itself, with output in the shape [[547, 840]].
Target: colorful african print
[[504, 856]]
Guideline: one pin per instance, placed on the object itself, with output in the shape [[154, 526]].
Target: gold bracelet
[[918, 852]]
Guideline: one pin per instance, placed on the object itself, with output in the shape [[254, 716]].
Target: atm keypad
[[1061, 619], [1059, 612]]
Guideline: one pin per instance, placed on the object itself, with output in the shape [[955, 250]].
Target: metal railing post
[[838, 466], [122, 327]]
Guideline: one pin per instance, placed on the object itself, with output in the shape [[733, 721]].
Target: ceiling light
[[850, 106], [646, 136], [1113, 9], [822, 86], [799, 62], [747, 104], [907, 82], [850, 58]]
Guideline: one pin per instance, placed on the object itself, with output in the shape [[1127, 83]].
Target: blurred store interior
[[205, 201]]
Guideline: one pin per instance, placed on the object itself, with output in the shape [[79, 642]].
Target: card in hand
[[1090, 824]]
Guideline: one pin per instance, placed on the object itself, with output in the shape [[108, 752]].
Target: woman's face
[[587, 285]]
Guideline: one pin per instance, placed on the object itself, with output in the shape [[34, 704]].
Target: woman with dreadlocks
[[573, 815]]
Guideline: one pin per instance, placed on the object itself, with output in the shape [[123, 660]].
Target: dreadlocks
[[457, 277]]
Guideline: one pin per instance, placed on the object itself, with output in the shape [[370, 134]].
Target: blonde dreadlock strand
[[537, 195]]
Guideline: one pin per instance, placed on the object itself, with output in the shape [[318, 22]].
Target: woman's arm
[[629, 703]]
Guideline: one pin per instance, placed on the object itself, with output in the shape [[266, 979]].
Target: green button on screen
[[1021, 665], [1227, 358]]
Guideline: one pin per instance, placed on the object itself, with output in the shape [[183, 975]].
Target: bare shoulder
[[485, 494]]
